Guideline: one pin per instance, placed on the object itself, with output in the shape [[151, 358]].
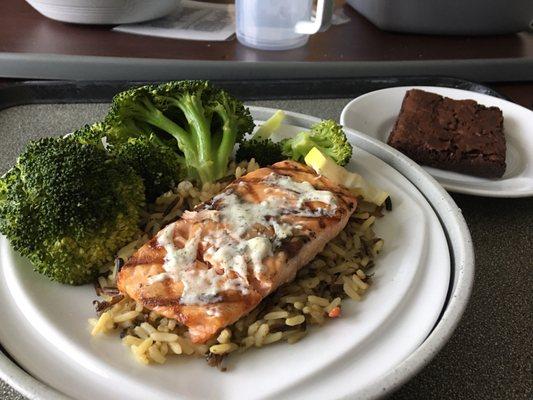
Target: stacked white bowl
[[104, 11]]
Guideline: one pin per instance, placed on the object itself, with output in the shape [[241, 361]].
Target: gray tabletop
[[490, 354]]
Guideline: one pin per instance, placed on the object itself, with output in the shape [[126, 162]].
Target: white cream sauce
[[230, 254], [178, 259]]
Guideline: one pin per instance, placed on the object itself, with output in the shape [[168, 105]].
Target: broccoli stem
[[167, 125], [200, 127], [154, 116], [229, 134], [197, 159], [199, 124]]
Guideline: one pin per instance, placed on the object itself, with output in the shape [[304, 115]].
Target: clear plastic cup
[[280, 24]]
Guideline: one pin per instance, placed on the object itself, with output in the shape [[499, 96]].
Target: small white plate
[[374, 337], [374, 114]]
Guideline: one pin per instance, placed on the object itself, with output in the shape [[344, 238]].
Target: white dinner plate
[[374, 114], [45, 325]]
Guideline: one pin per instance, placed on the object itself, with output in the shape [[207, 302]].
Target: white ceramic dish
[[414, 279], [107, 12], [374, 114]]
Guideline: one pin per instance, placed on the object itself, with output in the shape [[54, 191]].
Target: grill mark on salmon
[[310, 226]]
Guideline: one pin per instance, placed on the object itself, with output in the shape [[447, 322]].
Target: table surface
[[356, 48], [489, 355], [24, 30]]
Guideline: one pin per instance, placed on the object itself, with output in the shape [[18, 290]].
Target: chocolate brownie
[[457, 135]]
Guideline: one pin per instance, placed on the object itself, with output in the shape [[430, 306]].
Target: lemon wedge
[[355, 183]]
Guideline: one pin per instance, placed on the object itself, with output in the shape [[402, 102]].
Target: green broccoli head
[[327, 136], [129, 114], [158, 166], [198, 121], [69, 207], [91, 134], [264, 151]]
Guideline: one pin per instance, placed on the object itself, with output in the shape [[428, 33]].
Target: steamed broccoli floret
[[199, 122], [264, 151], [326, 135], [91, 134], [69, 207], [158, 166]]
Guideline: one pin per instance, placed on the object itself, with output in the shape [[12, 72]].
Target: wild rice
[[261, 334], [320, 301], [125, 316], [223, 348], [132, 340], [224, 336], [360, 284], [276, 315], [314, 297], [145, 345], [272, 337], [164, 337], [296, 336], [156, 355], [175, 347], [296, 320]]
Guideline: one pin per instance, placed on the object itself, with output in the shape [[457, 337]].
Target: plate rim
[[448, 186], [462, 263]]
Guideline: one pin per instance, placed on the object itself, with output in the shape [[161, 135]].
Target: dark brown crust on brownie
[[457, 135]]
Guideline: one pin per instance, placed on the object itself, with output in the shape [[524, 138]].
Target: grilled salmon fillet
[[219, 261]]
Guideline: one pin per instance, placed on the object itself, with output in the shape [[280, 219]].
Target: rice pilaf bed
[[337, 273]]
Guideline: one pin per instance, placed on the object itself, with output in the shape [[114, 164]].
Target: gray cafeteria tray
[[60, 66], [487, 357]]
